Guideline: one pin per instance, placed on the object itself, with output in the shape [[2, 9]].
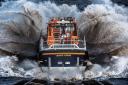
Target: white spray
[[107, 23]]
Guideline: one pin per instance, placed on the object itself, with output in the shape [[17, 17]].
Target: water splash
[[117, 69], [105, 29], [106, 22], [26, 20], [9, 66]]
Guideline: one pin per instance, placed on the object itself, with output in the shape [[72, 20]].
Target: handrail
[[64, 46], [44, 44]]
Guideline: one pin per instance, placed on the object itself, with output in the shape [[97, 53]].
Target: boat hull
[[63, 58]]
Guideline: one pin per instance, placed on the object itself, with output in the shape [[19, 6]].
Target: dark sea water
[[20, 81]]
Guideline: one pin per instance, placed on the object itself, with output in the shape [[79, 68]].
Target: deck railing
[[65, 45]]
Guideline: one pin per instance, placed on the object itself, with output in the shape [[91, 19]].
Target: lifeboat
[[62, 47]]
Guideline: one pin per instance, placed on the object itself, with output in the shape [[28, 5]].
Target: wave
[[105, 28], [104, 25]]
